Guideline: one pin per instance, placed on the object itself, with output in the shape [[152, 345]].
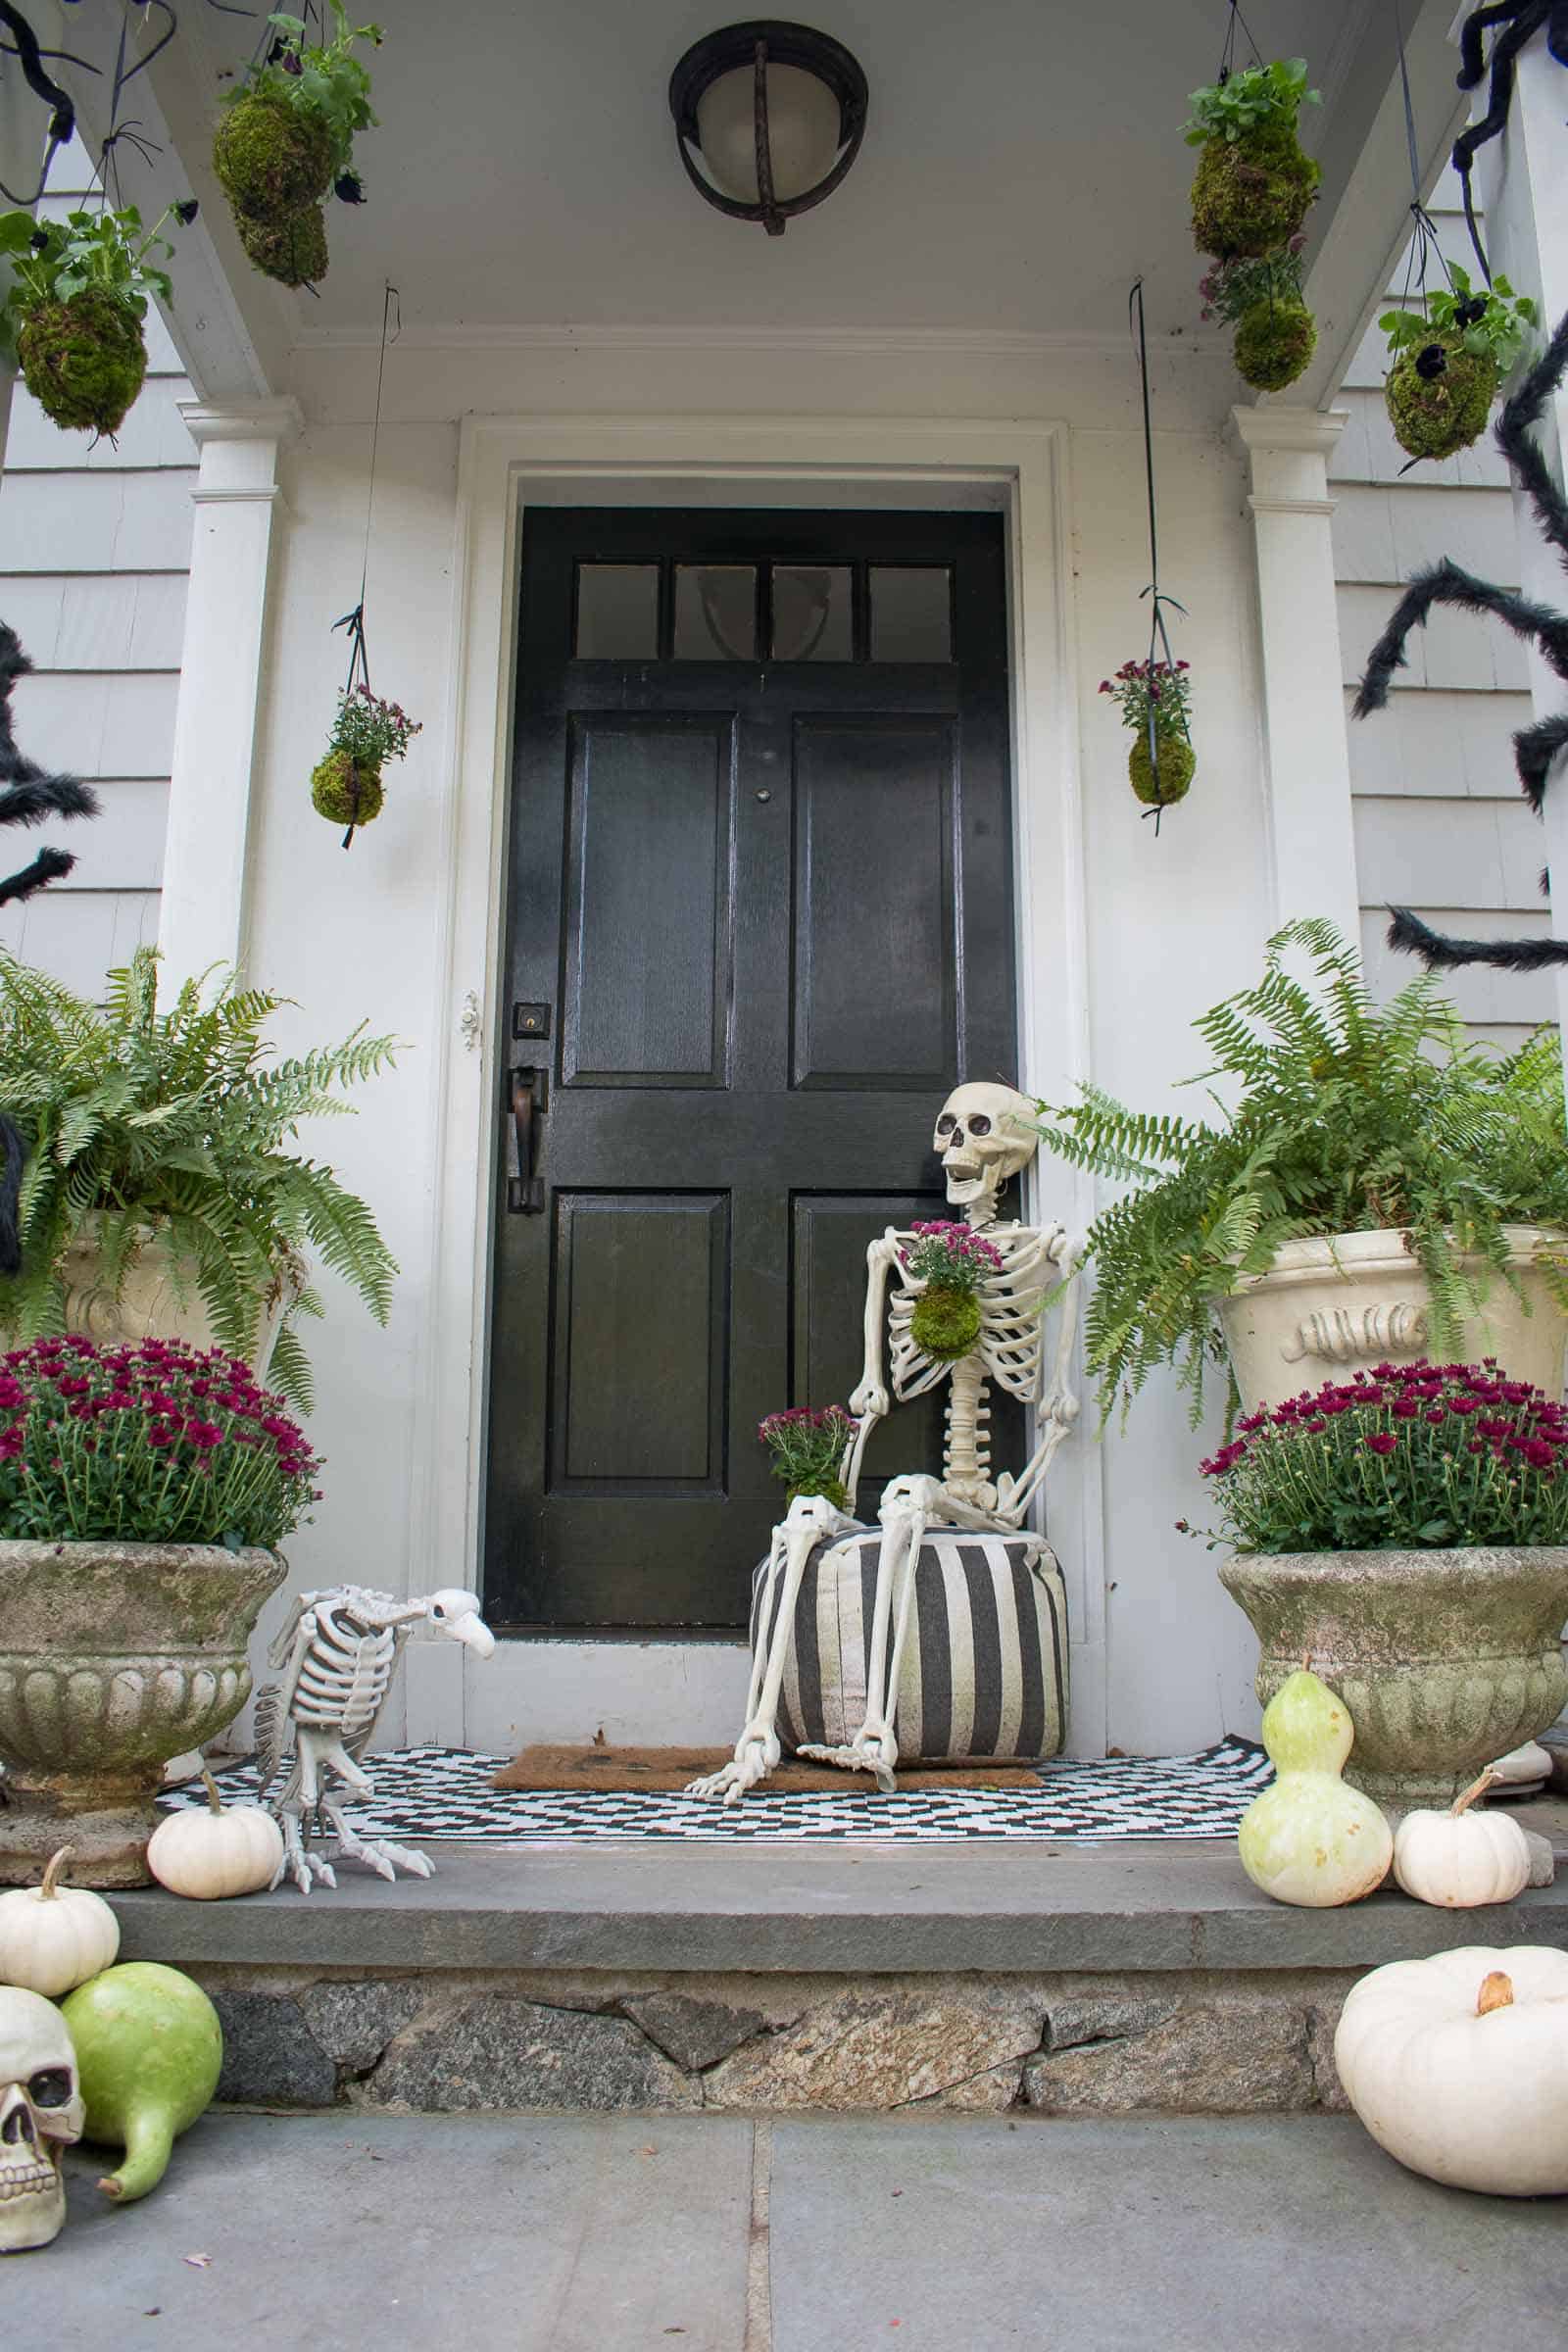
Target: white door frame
[[506, 464]]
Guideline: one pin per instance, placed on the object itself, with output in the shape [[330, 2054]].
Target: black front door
[[760, 923]]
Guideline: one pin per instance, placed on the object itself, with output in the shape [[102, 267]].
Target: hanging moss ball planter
[[945, 1324], [1250, 195], [292, 251], [1178, 762], [1274, 341], [272, 160], [83, 360], [1439, 398], [346, 791]]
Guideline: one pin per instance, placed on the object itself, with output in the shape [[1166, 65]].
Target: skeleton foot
[[379, 1854], [307, 1870], [871, 1750], [756, 1752]]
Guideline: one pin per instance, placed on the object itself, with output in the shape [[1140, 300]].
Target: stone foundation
[[1199, 2042]]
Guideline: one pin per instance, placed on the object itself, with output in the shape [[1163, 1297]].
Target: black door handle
[[530, 1099]]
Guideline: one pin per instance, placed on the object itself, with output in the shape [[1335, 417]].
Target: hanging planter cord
[[1158, 635], [354, 622]]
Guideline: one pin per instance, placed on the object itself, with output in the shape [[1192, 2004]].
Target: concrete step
[[1068, 1978]]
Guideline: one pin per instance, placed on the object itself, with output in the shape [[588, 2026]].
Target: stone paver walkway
[[570, 2233]]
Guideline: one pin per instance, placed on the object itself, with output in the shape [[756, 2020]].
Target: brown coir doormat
[[620, 1771]]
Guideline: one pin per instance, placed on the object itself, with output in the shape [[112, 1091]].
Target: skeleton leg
[[302, 1793], [809, 1519], [907, 1507], [384, 1858]]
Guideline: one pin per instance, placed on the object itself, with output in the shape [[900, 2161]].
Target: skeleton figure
[[339, 1653], [41, 2113], [983, 1136]]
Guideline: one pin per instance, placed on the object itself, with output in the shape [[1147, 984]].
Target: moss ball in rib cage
[[83, 360], [945, 1324]]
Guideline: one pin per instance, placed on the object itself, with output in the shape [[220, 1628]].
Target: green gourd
[[149, 2050], [1311, 1839]]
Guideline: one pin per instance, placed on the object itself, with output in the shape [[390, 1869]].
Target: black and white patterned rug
[[423, 1795]]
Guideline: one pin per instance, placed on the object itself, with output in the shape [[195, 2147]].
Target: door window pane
[[618, 613], [911, 613], [812, 619], [715, 612]]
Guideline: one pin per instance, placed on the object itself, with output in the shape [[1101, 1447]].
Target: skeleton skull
[[41, 2112], [985, 1134], [456, 1613]]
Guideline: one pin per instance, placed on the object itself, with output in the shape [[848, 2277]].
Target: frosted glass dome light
[[768, 118]]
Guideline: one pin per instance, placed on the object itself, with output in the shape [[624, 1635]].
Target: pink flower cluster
[[1506, 1419], [949, 1254], [201, 1399], [804, 1420], [1150, 689]]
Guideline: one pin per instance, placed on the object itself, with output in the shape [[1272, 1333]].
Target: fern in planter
[[175, 1122], [1336, 1115]]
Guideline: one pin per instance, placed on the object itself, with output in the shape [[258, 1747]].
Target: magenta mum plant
[[1402, 1458], [947, 1256], [371, 730], [809, 1446], [157, 1443], [1158, 691]]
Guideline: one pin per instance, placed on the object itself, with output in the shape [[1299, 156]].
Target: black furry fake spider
[[1535, 747]]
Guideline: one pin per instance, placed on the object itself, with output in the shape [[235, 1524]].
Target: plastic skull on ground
[[41, 2114]]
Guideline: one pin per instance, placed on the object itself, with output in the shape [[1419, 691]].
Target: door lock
[[530, 1099]]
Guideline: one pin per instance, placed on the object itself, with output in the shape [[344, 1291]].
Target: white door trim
[[505, 463]]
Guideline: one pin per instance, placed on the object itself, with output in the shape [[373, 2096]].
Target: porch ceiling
[[1023, 162]]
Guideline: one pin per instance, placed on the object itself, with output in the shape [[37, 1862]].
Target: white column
[[1522, 180], [202, 916], [1311, 840]]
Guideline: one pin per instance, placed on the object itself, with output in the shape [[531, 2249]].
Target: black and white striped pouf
[[985, 1663]]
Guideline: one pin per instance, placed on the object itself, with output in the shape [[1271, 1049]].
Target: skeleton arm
[[871, 1397], [1058, 1408]]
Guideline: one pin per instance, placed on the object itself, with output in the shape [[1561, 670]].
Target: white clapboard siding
[[94, 558], [1440, 825]]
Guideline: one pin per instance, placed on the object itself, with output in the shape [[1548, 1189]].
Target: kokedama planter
[[346, 791], [292, 251], [114, 1657], [1439, 398], [1250, 195], [1274, 342], [1178, 762], [272, 160], [944, 1323], [83, 360], [1360, 1299], [1445, 1660]]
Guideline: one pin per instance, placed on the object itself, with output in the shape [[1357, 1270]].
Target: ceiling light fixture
[[768, 118]]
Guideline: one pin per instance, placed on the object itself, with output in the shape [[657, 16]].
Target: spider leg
[[1514, 438], [1445, 583], [1535, 748], [1412, 937]]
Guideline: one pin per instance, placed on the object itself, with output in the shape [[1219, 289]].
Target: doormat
[[666, 1771], [425, 1794]]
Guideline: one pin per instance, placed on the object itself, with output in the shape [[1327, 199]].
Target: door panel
[[761, 883]]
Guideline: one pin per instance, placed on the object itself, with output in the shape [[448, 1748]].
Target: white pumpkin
[[53, 1938], [1460, 1858], [1458, 2067], [230, 1849]]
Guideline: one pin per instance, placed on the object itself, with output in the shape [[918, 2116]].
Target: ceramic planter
[[1445, 1660], [114, 1657], [157, 1300], [1340, 1306]]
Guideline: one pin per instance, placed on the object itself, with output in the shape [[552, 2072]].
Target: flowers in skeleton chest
[[950, 1262], [809, 1446]]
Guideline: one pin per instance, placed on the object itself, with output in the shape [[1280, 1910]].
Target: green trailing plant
[[175, 1123], [1276, 334], [1253, 186], [287, 137], [950, 1262], [809, 1447], [73, 313], [1449, 360], [1154, 698], [1411, 1457], [1330, 1114], [346, 785], [155, 1443]]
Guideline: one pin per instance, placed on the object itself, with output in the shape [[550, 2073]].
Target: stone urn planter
[[1446, 1659], [114, 1657], [158, 1299], [1342, 1306]]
